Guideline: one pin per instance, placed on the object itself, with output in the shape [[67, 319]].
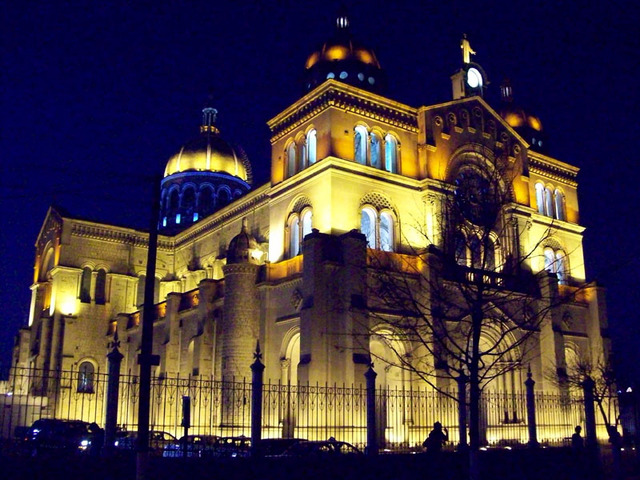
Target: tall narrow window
[[188, 199], [205, 201], [476, 252], [368, 226], [306, 224], [561, 267], [85, 377], [386, 232], [85, 285], [390, 154], [460, 249], [294, 236], [174, 201], [142, 279], [377, 228], [304, 159], [291, 160], [224, 197], [375, 150], [360, 145], [311, 146], [548, 202], [559, 197], [549, 260], [540, 197], [101, 287], [489, 255]]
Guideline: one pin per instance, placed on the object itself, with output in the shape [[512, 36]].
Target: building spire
[[342, 20], [209, 115]]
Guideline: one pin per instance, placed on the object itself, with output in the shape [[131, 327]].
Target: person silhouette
[[577, 442], [436, 439]]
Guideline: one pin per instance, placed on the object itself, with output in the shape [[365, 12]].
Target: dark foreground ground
[[540, 464]]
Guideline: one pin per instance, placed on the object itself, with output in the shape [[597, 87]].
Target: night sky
[[96, 96]]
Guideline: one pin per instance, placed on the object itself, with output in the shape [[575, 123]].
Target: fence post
[[372, 437], [462, 410], [531, 410], [257, 370], [589, 414], [114, 358]]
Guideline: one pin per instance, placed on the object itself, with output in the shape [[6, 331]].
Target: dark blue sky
[[96, 98]]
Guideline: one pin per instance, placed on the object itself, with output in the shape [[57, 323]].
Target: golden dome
[[516, 118], [342, 48], [210, 153]]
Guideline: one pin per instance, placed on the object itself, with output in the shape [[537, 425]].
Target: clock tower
[[470, 80]]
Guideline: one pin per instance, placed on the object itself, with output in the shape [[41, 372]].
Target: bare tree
[[468, 303]]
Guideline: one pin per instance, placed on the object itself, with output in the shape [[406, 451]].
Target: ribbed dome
[[521, 120], [209, 153], [344, 59], [241, 247]]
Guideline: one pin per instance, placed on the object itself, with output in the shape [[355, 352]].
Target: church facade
[[356, 179]]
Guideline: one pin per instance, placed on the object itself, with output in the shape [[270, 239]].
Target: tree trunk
[[474, 395]]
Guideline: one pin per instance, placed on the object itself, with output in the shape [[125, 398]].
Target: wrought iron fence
[[404, 416]]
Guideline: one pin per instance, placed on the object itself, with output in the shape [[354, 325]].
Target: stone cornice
[[333, 94], [108, 233], [554, 169]]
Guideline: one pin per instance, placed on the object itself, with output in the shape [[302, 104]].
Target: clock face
[[474, 78], [476, 197]]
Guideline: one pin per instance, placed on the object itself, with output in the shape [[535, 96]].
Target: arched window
[[460, 249], [101, 287], [378, 228], [368, 226], [390, 154], [540, 198], [142, 279], [549, 260], [475, 247], [306, 224], [205, 201], [85, 285], [489, 255], [188, 199], [291, 159], [174, 201], [299, 226], [224, 197], [559, 197], [548, 202], [375, 150], [294, 236], [561, 267], [360, 145], [311, 146], [386, 232], [555, 261], [85, 377]]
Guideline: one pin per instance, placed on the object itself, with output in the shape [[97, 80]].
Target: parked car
[[157, 441], [232, 447], [53, 435], [321, 448], [191, 446], [274, 447]]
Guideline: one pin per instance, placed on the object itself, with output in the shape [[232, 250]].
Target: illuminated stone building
[[352, 173]]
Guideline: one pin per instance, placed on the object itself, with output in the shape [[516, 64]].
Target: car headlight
[[84, 444], [116, 443]]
